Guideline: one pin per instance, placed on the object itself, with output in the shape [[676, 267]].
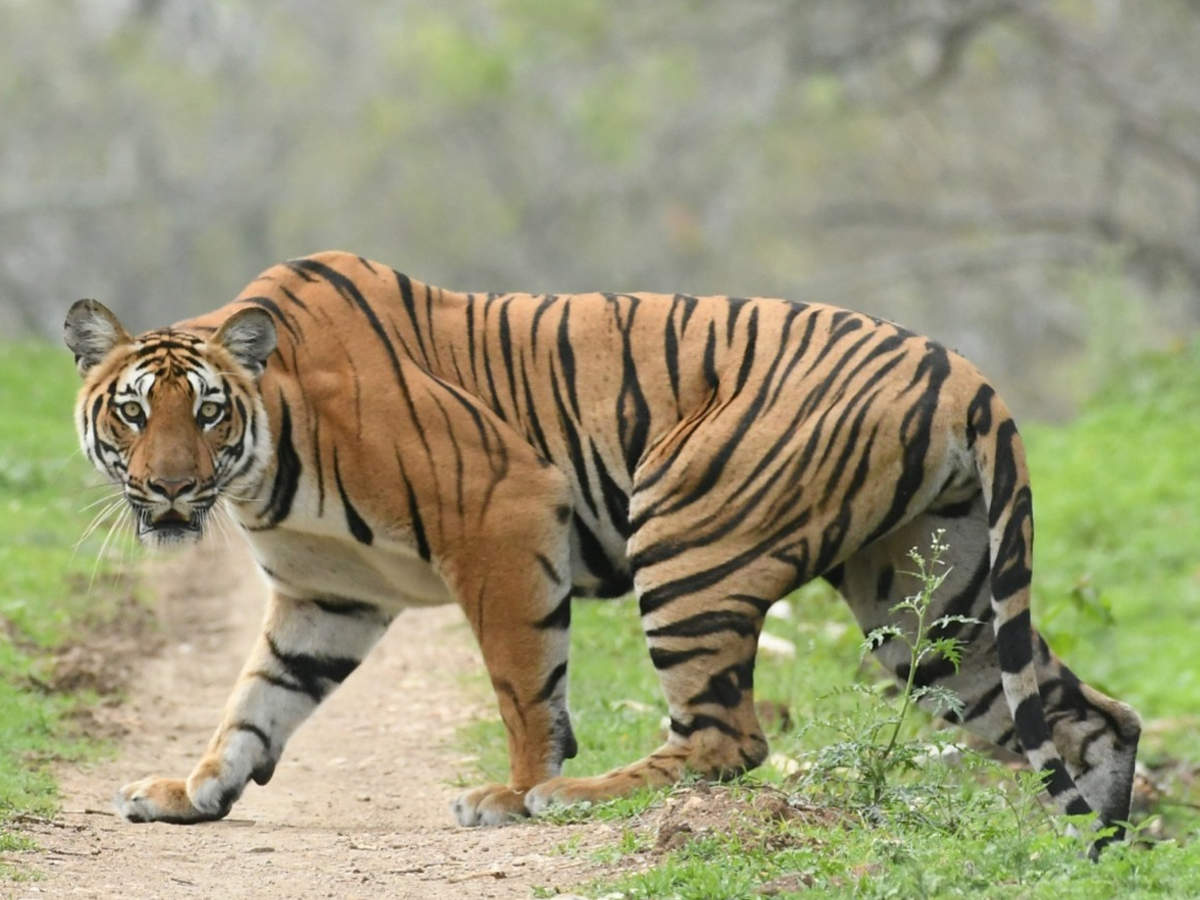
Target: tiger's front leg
[[515, 590], [307, 648]]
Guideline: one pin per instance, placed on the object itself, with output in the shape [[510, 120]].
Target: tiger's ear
[[249, 334], [91, 331]]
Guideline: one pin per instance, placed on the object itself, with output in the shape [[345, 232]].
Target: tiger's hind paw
[[492, 804], [160, 800]]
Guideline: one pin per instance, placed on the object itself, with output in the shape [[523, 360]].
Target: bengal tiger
[[386, 444]]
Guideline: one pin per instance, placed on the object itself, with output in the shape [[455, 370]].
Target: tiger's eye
[[209, 410], [131, 410]]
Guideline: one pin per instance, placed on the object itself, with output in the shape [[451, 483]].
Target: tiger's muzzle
[[170, 512]]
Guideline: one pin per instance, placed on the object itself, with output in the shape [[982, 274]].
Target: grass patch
[[50, 590], [1117, 582]]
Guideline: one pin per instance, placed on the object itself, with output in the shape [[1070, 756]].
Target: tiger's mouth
[[170, 527]]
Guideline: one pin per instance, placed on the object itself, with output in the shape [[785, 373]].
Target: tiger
[[385, 444]]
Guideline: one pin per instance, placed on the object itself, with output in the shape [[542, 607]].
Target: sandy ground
[[359, 805]]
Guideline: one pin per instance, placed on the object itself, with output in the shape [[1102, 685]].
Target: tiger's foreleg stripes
[[515, 589], [306, 649], [526, 658]]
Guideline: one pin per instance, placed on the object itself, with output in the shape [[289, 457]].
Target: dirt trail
[[359, 805]]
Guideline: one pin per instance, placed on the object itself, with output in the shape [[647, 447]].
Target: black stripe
[[350, 608], [979, 413], [548, 568], [668, 659], [613, 581], [1080, 807], [349, 292], [1004, 471], [564, 737], [671, 349], [1029, 722], [291, 296], [699, 723], [552, 681], [546, 302], [496, 406], [251, 728], [616, 502], [574, 445], [661, 594], [559, 617], [406, 296], [287, 472], [1014, 642], [506, 353], [762, 604], [956, 510], [535, 425], [735, 305], [278, 681], [359, 528], [725, 688], [1010, 572], [710, 349], [633, 413], [713, 621], [566, 358], [883, 583], [312, 672], [748, 352], [1059, 780], [915, 436], [414, 514]]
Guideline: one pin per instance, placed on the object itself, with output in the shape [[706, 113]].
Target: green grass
[[1117, 505], [49, 590], [1117, 587]]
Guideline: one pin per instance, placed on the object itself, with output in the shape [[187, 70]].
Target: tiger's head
[[173, 417]]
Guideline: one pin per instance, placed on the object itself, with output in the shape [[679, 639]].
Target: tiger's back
[[598, 384], [509, 450]]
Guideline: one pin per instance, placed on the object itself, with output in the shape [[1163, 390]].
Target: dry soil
[[359, 805]]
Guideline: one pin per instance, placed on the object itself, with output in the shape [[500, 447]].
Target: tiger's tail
[[1000, 462]]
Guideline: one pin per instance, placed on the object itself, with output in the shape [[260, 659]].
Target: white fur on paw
[[208, 796], [540, 798], [488, 806], [465, 811], [132, 805]]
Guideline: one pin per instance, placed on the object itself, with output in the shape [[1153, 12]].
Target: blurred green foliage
[[52, 585], [1013, 178]]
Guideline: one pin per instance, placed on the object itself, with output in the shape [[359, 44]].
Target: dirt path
[[359, 803]]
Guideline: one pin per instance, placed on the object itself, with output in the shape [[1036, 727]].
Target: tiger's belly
[[390, 575]]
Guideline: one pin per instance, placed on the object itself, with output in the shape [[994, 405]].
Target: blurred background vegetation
[[1019, 179]]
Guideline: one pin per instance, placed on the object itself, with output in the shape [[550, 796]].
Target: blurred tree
[[1018, 178]]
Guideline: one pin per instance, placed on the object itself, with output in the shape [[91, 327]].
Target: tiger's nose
[[171, 487]]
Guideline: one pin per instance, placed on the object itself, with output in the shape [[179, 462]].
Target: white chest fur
[[306, 565]]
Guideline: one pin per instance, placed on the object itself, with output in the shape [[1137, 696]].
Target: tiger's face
[[172, 417]]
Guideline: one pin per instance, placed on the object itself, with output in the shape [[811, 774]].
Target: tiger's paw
[[161, 800], [492, 804], [565, 791]]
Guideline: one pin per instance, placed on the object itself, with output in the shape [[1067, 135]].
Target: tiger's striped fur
[[385, 443]]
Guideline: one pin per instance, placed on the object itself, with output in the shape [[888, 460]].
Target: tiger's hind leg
[[702, 631], [1096, 735], [307, 648]]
